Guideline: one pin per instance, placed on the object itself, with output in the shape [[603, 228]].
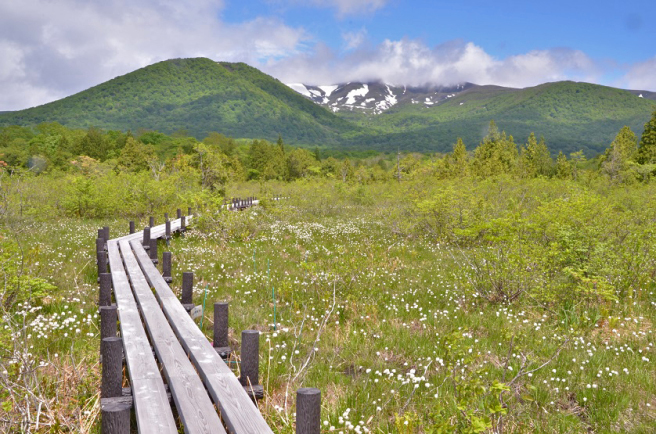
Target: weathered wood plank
[[194, 406], [238, 411], [153, 412]]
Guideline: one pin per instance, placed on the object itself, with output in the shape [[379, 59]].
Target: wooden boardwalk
[[195, 374]]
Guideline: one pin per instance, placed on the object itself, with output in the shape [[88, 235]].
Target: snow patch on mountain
[[300, 88], [363, 91]]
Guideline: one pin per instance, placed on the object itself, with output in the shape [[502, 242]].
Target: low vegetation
[[495, 290]]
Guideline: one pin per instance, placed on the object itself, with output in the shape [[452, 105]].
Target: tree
[[620, 154], [497, 154], [563, 167], [299, 162], [647, 147], [535, 159], [135, 156], [458, 160]]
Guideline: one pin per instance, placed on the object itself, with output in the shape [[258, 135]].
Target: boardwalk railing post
[[221, 343], [183, 224], [112, 369], [153, 250], [308, 411], [115, 412], [100, 244], [101, 235], [250, 364], [178, 213], [108, 318], [166, 267], [115, 416], [106, 236], [131, 226], [105, 298], [102, 263], [146, 238], [187, 290], [189, 211], [166, 216], [151, 221], [167, 231]]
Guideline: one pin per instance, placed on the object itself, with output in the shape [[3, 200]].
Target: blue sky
[[53, 49]]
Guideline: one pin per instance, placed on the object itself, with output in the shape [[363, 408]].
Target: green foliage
[[647, 148]]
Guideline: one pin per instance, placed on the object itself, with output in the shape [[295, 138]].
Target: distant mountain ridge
[[375, 97], [201, 95]]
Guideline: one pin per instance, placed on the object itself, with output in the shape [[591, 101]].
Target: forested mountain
[[200, 96], [196, 95], [571, 116]]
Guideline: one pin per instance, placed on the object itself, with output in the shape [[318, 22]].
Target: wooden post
[[183, 223], [131, 227], [112, 368], [105, 298], [250, 364], [221, 344], [146, 238], [166, 267], [167, 229], [166, 216], [153, 250], [179, 213], [187, 290], [100, 245], [108, 318], [189, 211], [115, 416], [101, 235], [102, 263], [308, 411], [151, 221], [106, 230]]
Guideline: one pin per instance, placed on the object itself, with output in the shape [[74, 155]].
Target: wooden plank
[[152, 409], [238, 411], [155, 231], [194, 406]]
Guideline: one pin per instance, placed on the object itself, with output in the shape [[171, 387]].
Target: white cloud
[[52, 49], [641, 76], [353, 40], [345, 7], [411, 62]]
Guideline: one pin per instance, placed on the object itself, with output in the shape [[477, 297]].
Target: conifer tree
[[563, 167], [647, 148], [620, 153]]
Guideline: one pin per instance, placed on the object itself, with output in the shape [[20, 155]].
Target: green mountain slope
[[197, 95], [570, 115]]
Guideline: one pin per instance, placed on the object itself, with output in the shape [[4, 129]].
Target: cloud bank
[[411, 62], [53, 49]]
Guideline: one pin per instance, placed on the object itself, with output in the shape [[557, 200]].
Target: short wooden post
[[112, 370], [189, 211], [178, 213], [131, 226], [151, 221], [183, 223], [102, 263], [100, 244], [153, 250], [146, 238], [166, 216], [250, 363], [187, 290], [101, 235], [221, 344], [166, 267], [105, 298], [167, 229], [106, 229], [308, 411], [115, 416], [108, 318]]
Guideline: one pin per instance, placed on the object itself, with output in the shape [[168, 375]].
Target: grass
[[382, 319]]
